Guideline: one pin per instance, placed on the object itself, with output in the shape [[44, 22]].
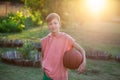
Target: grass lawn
[[96, 70], [100, 36], [33, 34], [10, 72]]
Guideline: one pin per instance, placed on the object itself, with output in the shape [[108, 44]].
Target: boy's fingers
[[81, 70]]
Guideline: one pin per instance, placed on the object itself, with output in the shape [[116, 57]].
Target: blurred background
[[95, 25], [75, 10]]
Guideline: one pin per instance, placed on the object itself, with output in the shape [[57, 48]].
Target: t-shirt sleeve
[[70, 41]]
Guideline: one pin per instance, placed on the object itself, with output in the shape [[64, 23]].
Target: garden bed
[[12, 57], [98, 55]]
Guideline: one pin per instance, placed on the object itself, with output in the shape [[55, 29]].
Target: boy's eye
[[55, 23]]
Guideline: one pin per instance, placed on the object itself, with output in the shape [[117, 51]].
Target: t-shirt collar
[[51, 36]]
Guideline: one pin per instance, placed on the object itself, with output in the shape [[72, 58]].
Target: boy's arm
[[41, 56], [82, 51]]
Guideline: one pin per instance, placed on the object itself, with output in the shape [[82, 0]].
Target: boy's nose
[[53, 25]]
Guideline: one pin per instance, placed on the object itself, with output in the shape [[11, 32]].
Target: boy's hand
[[82, 51], [82, 67]]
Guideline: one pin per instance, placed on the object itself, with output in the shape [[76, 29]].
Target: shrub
[[27, 50], [34, 19], [12, 23], [17, 22]]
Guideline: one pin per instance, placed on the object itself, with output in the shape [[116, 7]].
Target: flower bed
[[96, 54], [117, 58], [12, 57], [16, 43]]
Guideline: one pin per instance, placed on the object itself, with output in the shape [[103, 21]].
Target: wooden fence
[[7, 7]]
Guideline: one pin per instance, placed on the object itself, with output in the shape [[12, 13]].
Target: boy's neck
[[55, 34]]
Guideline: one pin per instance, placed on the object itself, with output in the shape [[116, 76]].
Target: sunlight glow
[[95, 6]]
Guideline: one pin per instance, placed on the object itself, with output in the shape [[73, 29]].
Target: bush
[[27, 50], [17, 22], [12, 23], [34, 19]]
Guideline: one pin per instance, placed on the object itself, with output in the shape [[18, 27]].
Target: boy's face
[[54, 25]]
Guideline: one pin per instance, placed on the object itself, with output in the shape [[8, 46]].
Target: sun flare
[[96, 6]]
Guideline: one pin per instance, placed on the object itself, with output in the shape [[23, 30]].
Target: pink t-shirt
[[53, 48]]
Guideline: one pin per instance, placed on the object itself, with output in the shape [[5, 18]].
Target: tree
[[38, 6]]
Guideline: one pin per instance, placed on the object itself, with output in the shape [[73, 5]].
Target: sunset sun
[[96, 6]]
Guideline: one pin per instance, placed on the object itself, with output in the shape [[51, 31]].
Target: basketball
[[72, 59]]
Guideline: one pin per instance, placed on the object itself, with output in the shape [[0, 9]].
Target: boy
[[54, 46]]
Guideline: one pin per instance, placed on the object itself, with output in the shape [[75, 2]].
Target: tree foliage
[[37, 6], [67, 9]]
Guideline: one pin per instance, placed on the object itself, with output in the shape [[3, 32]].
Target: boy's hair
[[52, 16]]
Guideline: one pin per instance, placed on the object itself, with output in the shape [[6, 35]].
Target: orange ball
[[72, 59]]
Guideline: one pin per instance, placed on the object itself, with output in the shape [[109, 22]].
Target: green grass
[[95, 70], [98, 70], [100, 36], [10, 72], [31, 34]]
